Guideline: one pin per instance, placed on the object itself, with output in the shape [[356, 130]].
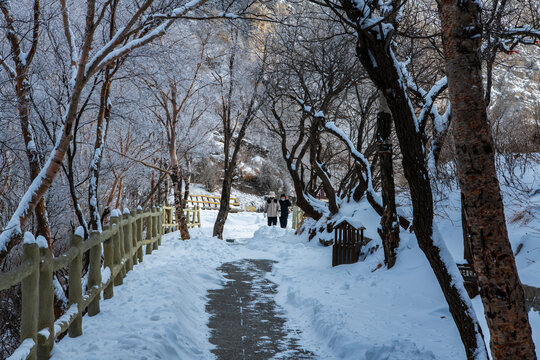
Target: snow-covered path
[[349, 312]]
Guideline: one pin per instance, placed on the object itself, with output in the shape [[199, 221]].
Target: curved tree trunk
[[101, 134], [389, 230], [42, 221], [493, 260], [223, 212]]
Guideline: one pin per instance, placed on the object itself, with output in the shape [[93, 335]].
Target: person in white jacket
[[272, 209]]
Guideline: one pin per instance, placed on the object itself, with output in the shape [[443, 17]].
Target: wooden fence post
[[149, 229], [75, 286], [46, 304], [133, 237], [30, 297], [108, 262], [139, 234], [154, 228], [122, 245], [198, 215], [127, 241], [115, 221], [160, 224], [94, 273]]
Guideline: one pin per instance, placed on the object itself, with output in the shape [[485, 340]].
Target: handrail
[[121, 244], [193, 218], [63, 260], [232, 201], [15, 276]]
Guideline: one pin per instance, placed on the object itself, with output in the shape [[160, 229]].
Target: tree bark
[[389, 230], [467, 250], [153, 188], [101, 135], [224, 202], [111, 193], [23, 94], [176, 179], [493, 260], [119, 194]]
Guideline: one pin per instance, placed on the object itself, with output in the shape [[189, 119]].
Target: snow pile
[[23, 350]]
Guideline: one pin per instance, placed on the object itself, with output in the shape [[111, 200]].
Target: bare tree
[[236, 115], [179, 107]]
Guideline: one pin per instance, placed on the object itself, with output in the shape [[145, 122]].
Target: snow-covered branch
[[429, 106], [155, 26]]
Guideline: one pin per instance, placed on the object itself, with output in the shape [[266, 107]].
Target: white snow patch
[[42, 242], [23, 350], [29, 238]]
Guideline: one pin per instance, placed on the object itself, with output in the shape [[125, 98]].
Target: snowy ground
[[357, 311]]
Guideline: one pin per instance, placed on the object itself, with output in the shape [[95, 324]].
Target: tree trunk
[[389, 230], [101, 134], [119, 195], [187, 181], [73, 192], [113, 190], [493, 260], [176, 179], [152, 187], [223, 212], [23, 94], [467, 250]]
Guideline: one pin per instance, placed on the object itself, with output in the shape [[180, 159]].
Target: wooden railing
[[193, 218], [209, 202], [121, 244]]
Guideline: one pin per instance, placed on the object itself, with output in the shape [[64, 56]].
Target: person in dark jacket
[[284, 204]]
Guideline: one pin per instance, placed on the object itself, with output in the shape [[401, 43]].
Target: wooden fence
[[121, 244], [209, 202], [193, 218], [348, 243]]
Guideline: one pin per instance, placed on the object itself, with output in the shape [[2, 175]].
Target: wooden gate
[[348, 242]]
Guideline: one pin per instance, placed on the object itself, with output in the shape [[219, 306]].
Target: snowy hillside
[[516, 88]]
